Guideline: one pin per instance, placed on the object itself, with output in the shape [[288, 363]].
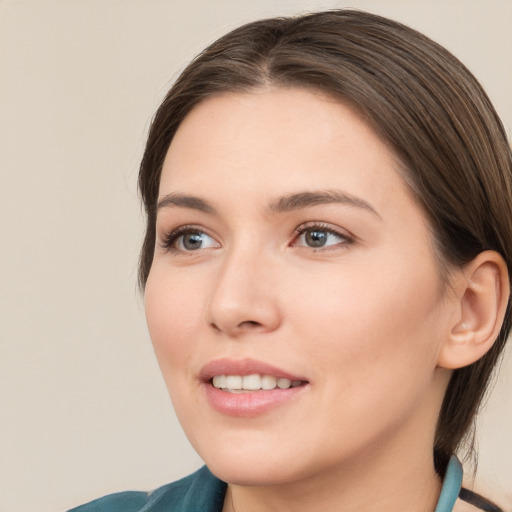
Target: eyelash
[[320, 226], [169, 240]]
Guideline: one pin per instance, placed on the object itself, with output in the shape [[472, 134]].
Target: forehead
[[277, 141]]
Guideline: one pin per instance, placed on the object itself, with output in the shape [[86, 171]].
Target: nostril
[[246, 325], [215, 327], [250, 324]]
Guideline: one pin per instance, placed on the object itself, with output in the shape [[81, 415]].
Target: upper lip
[[243, 367]]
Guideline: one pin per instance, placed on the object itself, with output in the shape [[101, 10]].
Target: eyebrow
[[282, 204], [185, 201], [307, 199]]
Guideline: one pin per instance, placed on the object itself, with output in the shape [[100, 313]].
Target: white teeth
[[252, 382], [284, 383], [268, 382], [219, 381], [234, 382]]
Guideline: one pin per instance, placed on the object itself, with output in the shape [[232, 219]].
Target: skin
[[363, 318]]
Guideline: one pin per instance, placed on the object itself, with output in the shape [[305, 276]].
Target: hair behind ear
[[476, 342]]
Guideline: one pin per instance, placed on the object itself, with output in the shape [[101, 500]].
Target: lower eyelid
[[341, 242]]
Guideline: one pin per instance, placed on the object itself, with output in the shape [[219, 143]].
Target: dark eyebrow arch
[[308, 199], [185, 201]]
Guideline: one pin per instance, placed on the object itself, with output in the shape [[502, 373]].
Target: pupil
[[192, 241], [316, 238]]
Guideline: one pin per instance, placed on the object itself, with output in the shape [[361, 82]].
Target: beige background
[[83, 409]]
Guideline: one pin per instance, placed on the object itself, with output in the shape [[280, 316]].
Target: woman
[[325, 267]]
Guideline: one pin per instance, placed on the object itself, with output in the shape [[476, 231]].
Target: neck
[[407, 482]]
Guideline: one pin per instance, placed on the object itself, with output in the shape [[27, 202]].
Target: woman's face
[[291, 261]]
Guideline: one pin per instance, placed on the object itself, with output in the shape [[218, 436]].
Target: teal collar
[[451, 486]]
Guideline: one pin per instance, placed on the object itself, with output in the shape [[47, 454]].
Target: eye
[[188, 239], [317, 236]]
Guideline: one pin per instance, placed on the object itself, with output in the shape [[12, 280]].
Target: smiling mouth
[[251, 383]]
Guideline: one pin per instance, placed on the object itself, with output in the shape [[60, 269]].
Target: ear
[[482, 291]]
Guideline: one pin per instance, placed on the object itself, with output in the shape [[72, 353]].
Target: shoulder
[[199, 492]]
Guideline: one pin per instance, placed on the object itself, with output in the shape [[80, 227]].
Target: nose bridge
[[242, 298]]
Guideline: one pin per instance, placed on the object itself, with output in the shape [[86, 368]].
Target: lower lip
[[250, 403]]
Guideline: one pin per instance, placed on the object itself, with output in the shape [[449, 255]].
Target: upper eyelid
[[346, 238], [169, 237], [323, 226], [301, 227], [185, 228], [174, 233]]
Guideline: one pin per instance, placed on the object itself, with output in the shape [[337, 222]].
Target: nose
[[244, 297]]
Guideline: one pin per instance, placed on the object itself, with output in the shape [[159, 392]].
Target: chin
[[253, 473], [250, 460]]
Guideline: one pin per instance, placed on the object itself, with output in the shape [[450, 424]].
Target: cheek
[[370, 321], [374, 353], [172, 313]]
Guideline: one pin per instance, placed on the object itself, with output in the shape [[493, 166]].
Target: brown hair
[[448, 140]]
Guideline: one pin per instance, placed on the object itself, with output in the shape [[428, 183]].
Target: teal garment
[[203, 492], [451, 486], [199, 492]]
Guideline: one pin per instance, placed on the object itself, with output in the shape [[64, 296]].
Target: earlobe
[[482, 296]]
